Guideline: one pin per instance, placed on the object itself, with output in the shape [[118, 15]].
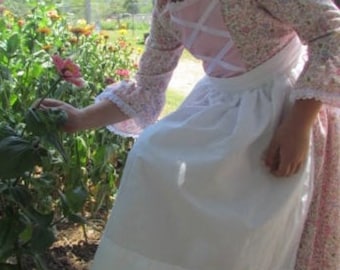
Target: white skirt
[[195, 193]]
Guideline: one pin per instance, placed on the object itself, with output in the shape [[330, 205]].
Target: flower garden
[[52, 182]]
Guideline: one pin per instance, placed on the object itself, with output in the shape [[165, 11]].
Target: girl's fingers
[[271, 155], [52, 102], [284, 166], [283, 170], [297, 168]]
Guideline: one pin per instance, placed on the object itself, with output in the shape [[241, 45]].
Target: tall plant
[[38, 188]]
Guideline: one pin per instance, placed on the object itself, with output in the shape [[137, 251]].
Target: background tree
[[131, 6]]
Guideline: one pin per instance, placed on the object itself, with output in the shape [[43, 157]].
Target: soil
[[74, 249]]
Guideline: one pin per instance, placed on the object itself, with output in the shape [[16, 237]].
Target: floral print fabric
[[259, 29], [143, 99], [266, 26], [320, 243]]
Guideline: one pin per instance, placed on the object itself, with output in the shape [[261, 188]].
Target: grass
[[173, 100]]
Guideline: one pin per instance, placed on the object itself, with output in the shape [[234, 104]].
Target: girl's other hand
[[287, 150], [289, 146]]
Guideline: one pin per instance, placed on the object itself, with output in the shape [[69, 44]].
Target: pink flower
[[68, 70], [123, 73]]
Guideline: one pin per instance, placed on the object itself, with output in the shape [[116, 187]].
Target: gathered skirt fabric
[[195, 194]]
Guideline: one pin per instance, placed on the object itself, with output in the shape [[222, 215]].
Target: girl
[[245, 174]]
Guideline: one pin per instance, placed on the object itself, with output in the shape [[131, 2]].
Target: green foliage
[[76, 9], [126, 24], [47, 176]]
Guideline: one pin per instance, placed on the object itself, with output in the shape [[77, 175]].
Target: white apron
[[196, 195]]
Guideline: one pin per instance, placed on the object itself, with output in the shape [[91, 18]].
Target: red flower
[[68, 70], [123, 73]]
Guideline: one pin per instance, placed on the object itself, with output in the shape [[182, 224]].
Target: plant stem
[[48, 92]]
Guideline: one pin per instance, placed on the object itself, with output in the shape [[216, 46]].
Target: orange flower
[[82, 30], [88, 30], [68, 70], [122, 43], [44, 30], [73, 40], [47, 47], [111, 48], [53, 15], [104, 34], [77, 30], [21, 22]]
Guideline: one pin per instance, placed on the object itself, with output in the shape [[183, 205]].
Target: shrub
[[49, 176]]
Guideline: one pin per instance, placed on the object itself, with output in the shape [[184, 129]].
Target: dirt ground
[[74, 249], [186, 74]]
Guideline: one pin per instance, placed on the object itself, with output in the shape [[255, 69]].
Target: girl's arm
[[318, 25], [127, 107], [94, 116]]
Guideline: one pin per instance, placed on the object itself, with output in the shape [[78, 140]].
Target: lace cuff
[[328, 98], [142, 107], [128, 128]]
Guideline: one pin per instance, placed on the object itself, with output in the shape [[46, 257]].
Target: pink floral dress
[[232, 40]]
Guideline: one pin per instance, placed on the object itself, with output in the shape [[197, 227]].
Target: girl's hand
[[74, 119], [288, 149], [289, 146], [96, 115]]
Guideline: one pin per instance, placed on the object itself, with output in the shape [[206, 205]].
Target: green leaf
[[42, 239], [39, 262], [76, 198], [64, 204], [26, 234], [21, 195], [13, 43], [8, 237], [5, 73], [6, 131], [7, 266], [3, 187], [13, 98], [36, 70], [43, 220], [2, 25], [19, 156]]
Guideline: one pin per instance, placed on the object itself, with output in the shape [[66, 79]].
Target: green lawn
[[173, 100]]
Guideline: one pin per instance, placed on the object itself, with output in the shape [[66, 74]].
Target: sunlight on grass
[[173, 100]]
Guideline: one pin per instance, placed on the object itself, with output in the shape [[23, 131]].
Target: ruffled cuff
[[327, 98], [128, 128]]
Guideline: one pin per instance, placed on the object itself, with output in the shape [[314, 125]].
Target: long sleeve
[[318, 25], [143, 99]]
